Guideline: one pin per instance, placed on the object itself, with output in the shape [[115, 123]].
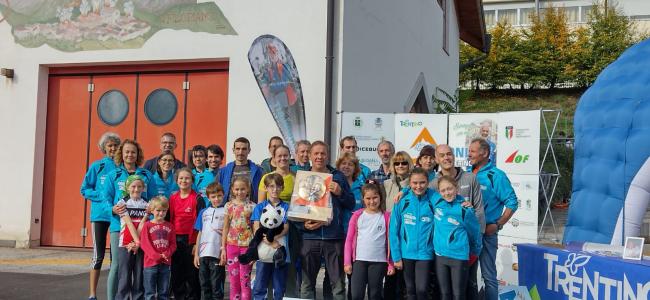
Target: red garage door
[[137, 102]]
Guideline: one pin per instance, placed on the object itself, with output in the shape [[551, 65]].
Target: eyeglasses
[[401, 163], [167, 160]]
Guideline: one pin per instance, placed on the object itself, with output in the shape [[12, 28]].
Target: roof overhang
[[471, 24]]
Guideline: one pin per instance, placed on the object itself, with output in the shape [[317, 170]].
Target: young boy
[[158, 241], [209, 224], [266, 269], [130, 256]]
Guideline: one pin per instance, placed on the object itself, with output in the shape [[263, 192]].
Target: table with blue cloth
[[551, 272]]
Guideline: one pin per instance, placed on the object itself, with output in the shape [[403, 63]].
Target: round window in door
[[160, 107], [113, 107]]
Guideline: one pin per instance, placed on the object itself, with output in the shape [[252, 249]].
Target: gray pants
[[312, 251], [129, 283]]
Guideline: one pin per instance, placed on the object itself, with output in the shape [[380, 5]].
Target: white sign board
[[368, 129], [523, 223], [414, 131], [518, 137]]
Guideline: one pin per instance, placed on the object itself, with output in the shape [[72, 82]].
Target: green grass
[[564, 100]]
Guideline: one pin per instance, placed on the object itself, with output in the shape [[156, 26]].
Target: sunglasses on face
[[400, 163]]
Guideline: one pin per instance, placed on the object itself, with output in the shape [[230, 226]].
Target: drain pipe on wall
[[329, 62], [486, 52]]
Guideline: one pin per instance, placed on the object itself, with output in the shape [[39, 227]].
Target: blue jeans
[[488, 262], [156, 280], [266, 272]]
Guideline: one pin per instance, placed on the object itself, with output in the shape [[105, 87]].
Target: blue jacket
[[93, 185], [358, 204], [411, 227], [225, 176], [295, 168], [201, 182], [457, 232], [165, 187], [333, 231], [114, 190], [497, 192]]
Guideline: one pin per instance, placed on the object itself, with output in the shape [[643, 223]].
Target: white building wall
[[386, 45], [23, 100]]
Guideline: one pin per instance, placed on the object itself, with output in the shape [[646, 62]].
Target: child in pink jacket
[[366, 254]]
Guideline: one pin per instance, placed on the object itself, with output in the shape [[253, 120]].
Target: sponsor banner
[[369, 129], [518, 137], [414, 131], [561, 274], [507, 258], [465, 127], [524, 222]]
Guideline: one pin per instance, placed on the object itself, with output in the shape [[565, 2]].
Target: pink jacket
[[351, 240]]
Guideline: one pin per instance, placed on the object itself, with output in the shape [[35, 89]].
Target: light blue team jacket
[[114, 190], [497, 192], [93, 186], [411, 227], [457, 232]]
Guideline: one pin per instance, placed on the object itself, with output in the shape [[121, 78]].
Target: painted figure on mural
[[277, 77]]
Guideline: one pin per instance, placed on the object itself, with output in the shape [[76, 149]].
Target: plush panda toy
[[270, 226]]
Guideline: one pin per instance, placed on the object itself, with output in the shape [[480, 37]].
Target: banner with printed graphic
[[369, 129], [518, 137], [463, 128], [507, 259], [551, 273], [414, 131]]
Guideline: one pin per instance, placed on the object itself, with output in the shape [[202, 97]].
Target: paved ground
[[62, 273]]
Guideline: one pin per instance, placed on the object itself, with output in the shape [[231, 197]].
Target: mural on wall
[[77, 25], [277, 76]]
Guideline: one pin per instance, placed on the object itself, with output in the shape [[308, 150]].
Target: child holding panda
[[267, 269]]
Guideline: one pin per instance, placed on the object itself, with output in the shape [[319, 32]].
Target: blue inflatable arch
[[612, 131]]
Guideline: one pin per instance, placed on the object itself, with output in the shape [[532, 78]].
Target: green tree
[[547, 41], [502, 58], [610, 34], [472, 66]]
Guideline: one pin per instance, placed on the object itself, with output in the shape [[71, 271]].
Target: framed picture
[[633, 248], [311, 199]]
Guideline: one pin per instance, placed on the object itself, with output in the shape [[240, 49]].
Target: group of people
[[412, 228]]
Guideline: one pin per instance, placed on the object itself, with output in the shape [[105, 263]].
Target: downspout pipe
[[486, 52], [329, 63]]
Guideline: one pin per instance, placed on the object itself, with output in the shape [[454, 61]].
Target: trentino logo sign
[[423, 139]]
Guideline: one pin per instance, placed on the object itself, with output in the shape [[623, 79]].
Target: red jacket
[[155, 240], [349, 253]]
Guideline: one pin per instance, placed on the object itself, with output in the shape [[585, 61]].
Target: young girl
[[237, 234], [202, 176], [158, 241], [164, 176], [130, 256], [456, 235], [185, 206], [411, 235], [366, 246]]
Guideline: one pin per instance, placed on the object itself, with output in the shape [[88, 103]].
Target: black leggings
[[184, 276], [99, 231], [472, 285], [416, 278], [367, 273], [452, 277]]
